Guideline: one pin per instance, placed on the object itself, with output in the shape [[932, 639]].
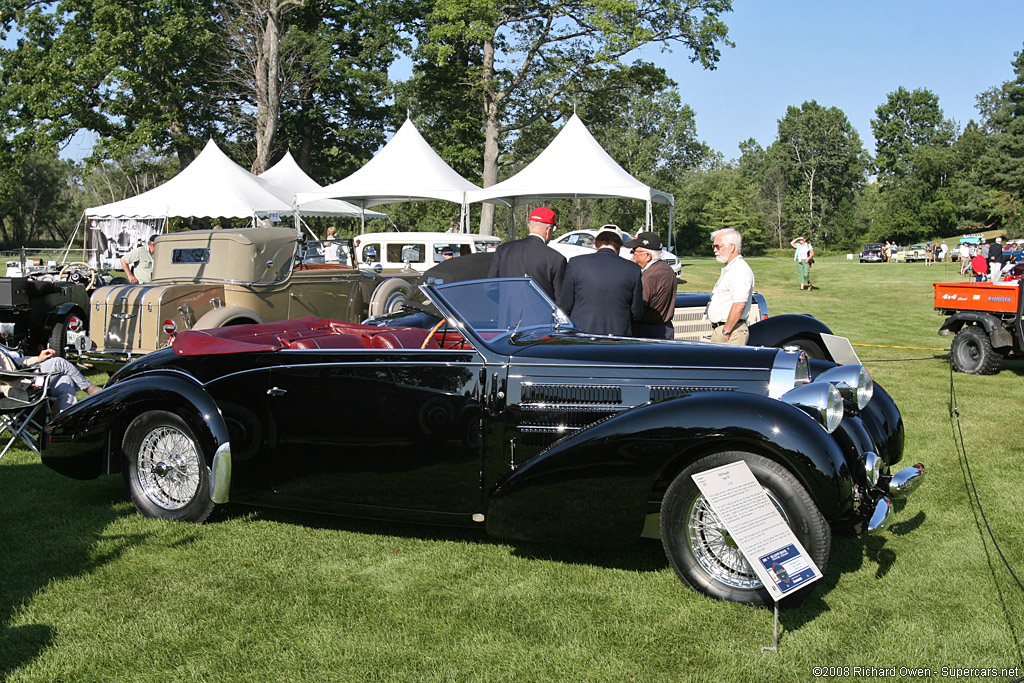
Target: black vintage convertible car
[[502, 416]]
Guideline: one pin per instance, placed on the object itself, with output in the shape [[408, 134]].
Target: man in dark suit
[[603, 292], [531, 256]]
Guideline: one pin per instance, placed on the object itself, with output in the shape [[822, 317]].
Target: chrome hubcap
[[168, 468]]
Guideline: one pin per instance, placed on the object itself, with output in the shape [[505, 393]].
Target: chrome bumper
[[220, 474], [102, 359], [900, 485]]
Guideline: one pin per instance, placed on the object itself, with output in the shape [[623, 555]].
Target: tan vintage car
[[214, 278]]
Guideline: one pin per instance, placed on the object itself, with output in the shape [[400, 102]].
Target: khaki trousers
[[738, 337]]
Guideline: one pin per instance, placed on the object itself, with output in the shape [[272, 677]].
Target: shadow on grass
[[49, 528], [643, 556], [997, 565]]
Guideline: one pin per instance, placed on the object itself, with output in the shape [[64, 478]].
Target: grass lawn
[[92, 591]]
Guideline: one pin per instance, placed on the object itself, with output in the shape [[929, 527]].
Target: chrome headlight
[[853, 381], [821, 401]]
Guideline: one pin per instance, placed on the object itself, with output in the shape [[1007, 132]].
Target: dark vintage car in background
[[502, 416], [872, 253], [46, 305]]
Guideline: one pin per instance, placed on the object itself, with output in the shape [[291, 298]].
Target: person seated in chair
[[67, 379]]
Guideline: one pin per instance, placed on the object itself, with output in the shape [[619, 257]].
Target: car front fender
[[84, 441], [594, 487]]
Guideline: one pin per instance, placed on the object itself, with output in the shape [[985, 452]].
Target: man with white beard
[[730, 299]]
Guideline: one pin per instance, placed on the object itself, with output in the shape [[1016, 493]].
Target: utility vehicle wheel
[[702, 552], [166, 472], [972, 352]]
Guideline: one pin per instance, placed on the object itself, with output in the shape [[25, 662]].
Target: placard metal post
[[775, 642]]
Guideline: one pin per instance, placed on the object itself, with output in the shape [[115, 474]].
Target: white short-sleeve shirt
[[735, 284]]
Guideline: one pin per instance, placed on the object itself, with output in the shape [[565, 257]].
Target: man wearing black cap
[[531, 256], [602, 292], [659, 284]]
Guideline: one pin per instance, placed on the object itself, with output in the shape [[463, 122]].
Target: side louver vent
[[571, 393]]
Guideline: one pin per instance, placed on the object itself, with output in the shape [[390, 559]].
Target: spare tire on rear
[[390, 296]]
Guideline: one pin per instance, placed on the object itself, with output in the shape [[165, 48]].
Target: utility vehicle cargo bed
[[996, 297]]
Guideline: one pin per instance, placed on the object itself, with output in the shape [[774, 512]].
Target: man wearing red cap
[[531, 256]]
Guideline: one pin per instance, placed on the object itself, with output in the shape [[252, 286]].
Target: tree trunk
[[268, 96], [490, 175]]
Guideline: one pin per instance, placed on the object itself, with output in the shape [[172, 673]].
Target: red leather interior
[[301, 333], [329, 341]]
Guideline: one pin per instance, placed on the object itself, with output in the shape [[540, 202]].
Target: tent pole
[[671, 224], [512, 220], [71, 240]]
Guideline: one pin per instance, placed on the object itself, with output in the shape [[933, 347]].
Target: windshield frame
[[502, 339]]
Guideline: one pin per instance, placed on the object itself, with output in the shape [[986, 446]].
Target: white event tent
[[407, 169], [211, 186], [573, 165], [285, 179]]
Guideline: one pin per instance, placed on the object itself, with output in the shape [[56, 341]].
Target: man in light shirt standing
[[730, 299]]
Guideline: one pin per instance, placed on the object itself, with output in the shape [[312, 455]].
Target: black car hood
[[582, 347]]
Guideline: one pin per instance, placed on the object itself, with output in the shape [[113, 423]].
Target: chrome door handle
[[275, 391]]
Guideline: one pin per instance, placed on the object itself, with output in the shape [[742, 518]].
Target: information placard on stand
[[759, 531]]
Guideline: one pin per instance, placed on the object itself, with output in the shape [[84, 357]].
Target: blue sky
[[848, 55]]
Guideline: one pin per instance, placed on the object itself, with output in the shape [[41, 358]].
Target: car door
[[395, 428]]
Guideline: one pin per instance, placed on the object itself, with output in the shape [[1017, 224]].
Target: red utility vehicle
[[985, 318]]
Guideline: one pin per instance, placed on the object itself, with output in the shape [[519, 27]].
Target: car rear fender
[[594, 486], [60, 313], [779, 329], [84, 441], [219, 317]]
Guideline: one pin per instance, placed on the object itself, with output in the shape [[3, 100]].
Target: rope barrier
[[912, 348], [954, 414]]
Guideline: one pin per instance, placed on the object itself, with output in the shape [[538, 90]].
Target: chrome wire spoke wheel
[[714, 548], [702, 551], [168, 468]]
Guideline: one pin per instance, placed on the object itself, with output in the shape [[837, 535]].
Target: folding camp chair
[[24, 407]]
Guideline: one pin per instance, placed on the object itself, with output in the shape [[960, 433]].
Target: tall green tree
[[915, 164], [825, 165], [765, 175], [1002, 164], [39, 198], [906, 122], [531, 53], [138, 74], [335, 92]]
